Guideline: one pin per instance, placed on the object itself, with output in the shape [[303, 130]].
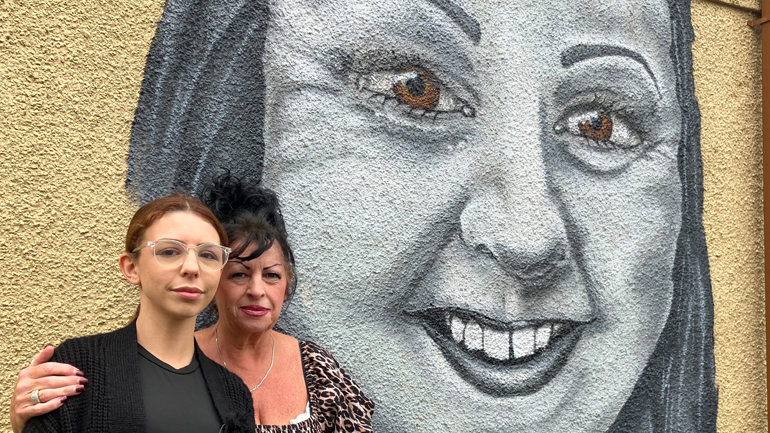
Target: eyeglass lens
[[211, 257]]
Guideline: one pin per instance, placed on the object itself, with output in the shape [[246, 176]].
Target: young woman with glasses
[[151, 376]]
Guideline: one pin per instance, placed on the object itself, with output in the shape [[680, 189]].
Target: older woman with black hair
[[496, 206], [295, 386]]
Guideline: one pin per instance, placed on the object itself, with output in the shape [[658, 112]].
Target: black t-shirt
[[176, 400]]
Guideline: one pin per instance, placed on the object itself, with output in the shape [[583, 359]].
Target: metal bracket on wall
[[759, 21], [763, 18]]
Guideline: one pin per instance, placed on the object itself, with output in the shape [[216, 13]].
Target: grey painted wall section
[[495, 206]]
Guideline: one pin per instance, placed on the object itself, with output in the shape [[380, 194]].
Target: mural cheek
[[633, 296], [361, 209], [626, 226]]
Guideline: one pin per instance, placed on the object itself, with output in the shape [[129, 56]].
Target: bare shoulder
[[286, 343]]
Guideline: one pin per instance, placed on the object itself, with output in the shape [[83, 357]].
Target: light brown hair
[[154, 210]]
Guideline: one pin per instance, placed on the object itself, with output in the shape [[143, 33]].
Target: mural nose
[[524, 235]]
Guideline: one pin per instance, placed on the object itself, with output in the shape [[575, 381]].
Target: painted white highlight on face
[[458, 329], [496, 344], [474, 336], [542, 335], [523, 342]]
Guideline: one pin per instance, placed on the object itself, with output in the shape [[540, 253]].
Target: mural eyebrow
[[578, 53], [467, 23]]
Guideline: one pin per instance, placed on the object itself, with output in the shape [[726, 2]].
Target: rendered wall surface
[[727, 77], [70, 84], [71, 74]]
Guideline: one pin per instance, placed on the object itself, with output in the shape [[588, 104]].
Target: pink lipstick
[[191, 293], [254, 310]]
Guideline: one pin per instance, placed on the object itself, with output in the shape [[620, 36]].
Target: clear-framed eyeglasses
[[171, 254]]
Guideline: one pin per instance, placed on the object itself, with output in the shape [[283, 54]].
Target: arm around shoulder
[[56, 420]]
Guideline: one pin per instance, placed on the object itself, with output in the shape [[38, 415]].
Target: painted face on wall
[[483, 199]]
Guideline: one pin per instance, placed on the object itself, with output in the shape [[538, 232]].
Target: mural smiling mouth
[[498, 358]]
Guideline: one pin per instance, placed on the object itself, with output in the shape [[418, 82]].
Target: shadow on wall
[[495, 207]]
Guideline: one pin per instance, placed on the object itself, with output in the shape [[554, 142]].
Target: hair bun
[[228, 198]]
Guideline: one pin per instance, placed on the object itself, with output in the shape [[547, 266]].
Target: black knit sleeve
[[231, 396], [48, 423], [112, 400], [241, 417]]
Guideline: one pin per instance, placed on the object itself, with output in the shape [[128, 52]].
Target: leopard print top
[[337, 404]]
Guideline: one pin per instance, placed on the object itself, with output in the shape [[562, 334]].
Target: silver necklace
[[216, 338]]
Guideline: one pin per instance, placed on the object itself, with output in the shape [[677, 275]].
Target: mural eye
[[416, 88], [604, 130], [597, 126], [601, 139]]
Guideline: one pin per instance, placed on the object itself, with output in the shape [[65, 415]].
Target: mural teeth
[[474, 336], [496, 344], [542, 336], [458, 329], [523, 342], [557, 329]]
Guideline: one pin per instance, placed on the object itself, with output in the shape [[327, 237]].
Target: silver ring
[[35, 396]]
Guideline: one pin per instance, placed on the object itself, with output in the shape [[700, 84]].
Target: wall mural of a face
[[506, 249], [485, 201]]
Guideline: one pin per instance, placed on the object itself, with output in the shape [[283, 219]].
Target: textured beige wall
[[727, 67], [746, 5], [70, 74]]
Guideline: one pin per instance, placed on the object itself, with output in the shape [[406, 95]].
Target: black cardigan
[[112, 400]]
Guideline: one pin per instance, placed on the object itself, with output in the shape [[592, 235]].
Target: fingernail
[[46, 346], [79, 388], [63, 399], [82, 381], [79, 373]]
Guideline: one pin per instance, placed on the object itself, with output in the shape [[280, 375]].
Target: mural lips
[[502, 359]]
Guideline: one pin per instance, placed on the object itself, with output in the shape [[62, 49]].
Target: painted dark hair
[[676, 392], [204, 86]]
